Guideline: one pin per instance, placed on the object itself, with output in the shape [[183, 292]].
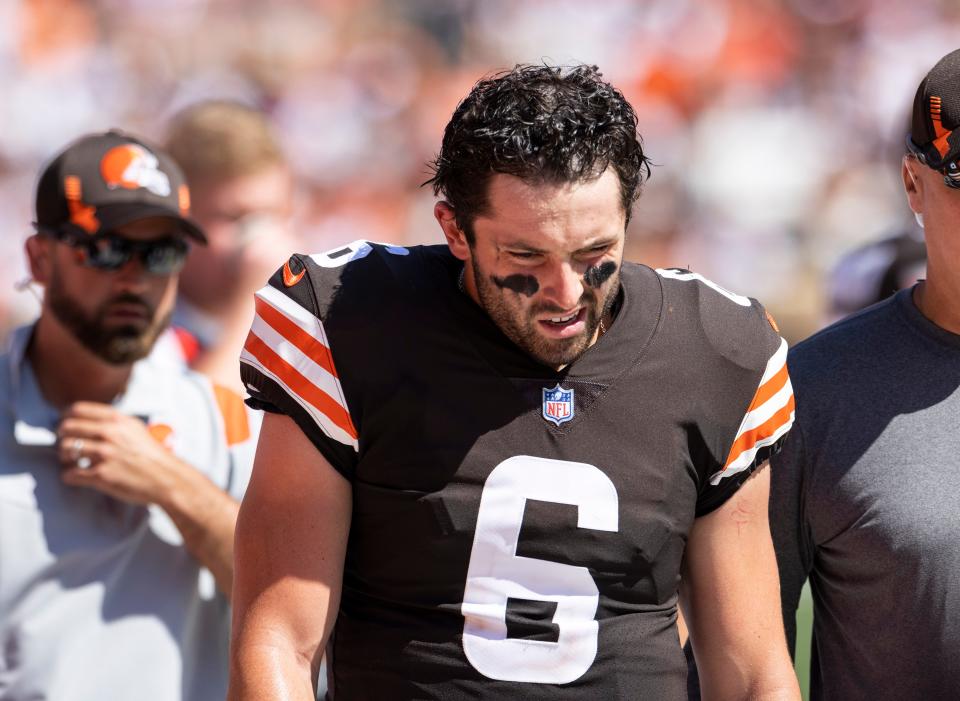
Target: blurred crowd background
[[776, 126]]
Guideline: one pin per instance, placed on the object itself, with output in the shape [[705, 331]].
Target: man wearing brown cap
[[119, 476], [864, 493]]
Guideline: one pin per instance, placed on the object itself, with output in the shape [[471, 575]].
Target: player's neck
[[68, 372], [938, 303]]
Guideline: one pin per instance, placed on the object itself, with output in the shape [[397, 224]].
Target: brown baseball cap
[[935, 123], [103, 181]]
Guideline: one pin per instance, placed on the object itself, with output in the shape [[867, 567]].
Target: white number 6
[[497, 573]]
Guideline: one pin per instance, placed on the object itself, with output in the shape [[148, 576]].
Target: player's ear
[[456, 238], [39, 257]]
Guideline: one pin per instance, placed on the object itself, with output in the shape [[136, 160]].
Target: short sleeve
[[287, 364], [761, 431], [240, 425]]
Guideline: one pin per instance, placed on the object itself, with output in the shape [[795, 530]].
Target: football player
[[493, 469]]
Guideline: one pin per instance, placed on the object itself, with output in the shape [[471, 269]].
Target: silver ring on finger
[[76, 449], [84, 462]]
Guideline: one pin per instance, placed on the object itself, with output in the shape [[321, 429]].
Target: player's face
[[545, 263], [117, 315]]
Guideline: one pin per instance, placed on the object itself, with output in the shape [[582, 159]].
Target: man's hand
[[116, 454]]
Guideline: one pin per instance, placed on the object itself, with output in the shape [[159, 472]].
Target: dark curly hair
[[542, 123]]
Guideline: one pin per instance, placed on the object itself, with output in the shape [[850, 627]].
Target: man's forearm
[[206, 517]]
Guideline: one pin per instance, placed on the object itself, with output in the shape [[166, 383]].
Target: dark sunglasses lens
[[107, 253], [164, 257], [158, 257]]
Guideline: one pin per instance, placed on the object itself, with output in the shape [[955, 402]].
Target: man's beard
[[555, 353], [117, 345]]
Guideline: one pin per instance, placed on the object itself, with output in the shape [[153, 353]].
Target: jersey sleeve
[[760, 433], [744, 396], [287, 363]]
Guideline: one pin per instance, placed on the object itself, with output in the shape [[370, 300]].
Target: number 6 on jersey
[[496, 573]]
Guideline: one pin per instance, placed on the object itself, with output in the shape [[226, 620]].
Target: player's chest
[[567, 471], [894, 499]]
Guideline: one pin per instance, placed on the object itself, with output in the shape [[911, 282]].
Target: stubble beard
[[554, 353], [116, 345]]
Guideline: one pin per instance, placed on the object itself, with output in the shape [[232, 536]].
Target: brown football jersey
[[517, 531]]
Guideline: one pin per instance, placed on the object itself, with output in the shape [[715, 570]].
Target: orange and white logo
[[289, 278], [131, 166], [162, 434]]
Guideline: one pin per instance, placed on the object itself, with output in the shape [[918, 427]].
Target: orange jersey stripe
[[235, 423], [770, 388], [747, 440], [322, 401], [310, 346]]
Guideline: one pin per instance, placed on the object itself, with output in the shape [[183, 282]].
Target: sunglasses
[[949, 169], [110, 251]]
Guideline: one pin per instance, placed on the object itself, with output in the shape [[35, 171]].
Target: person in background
[[119, 476], [874, 271], [242, 197], [864, 493]]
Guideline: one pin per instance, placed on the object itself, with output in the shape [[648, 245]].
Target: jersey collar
[[35, 420]]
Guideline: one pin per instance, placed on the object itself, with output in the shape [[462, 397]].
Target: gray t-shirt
[[865, 501]]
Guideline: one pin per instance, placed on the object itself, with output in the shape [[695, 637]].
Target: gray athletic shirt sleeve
[[864, 501]]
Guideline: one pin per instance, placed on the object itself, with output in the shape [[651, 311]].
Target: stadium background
[[776, 125]]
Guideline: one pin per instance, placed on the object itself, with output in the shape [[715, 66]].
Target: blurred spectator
[[748, 105], [872, 272], [119, 477], [242, 197]]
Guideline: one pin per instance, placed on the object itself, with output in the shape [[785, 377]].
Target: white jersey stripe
[[303, 363], [310, 325], [762, 413], [752, 426], [329, 428], [776, 363], [687, 276], [294, 312], [746, 458]]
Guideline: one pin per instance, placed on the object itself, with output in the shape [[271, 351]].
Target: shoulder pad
[[737, 327], [315, 280]]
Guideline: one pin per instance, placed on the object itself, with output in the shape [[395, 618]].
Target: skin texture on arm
[[730, 596], [129, 464], [290, 545]]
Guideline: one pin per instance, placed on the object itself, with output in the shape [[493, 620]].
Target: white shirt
[[99, 599]]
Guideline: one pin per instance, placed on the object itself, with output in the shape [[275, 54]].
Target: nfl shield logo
[[557, 404]]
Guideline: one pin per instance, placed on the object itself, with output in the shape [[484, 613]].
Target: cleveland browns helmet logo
[[132, 166]]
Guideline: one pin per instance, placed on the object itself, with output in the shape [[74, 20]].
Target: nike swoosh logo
[[289, 279]]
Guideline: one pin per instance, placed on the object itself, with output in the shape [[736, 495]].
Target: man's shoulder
[[845, 344], [361, 274], [182, 385], [208, 411], [12, 352], [716, 322]]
